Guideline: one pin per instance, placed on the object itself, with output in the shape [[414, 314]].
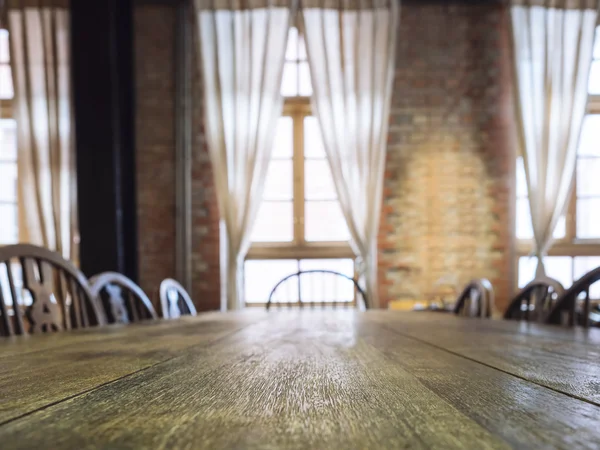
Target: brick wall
[[155, 61], [155, 143], [448, 183], [205, 212]]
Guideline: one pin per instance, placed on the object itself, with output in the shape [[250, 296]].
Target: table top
[[304, 380]]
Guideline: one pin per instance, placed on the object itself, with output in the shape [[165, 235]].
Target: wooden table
[[304, 380]]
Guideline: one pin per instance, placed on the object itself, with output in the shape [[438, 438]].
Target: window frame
[[298, 108], [570, 245], [299, 248], [7, 113]]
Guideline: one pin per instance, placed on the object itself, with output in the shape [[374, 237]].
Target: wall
[[448, 183], [154, 33], [155, 62], [448, 187], [205, 212]]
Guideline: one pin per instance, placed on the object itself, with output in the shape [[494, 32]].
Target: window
[[6, 85], [9, 233], [299, 223], [565, 269], [577, 246], [296, 73], [262, 276]]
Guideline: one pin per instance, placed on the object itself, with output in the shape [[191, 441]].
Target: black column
[[103, 84]]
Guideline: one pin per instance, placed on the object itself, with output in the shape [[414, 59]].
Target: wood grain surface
[[301, 380]]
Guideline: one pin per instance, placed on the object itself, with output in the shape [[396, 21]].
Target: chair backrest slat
[[567, 304], [19, 325], [476, 299], [536, 300], [47, 303], [174, 300], [7, 328], [324, 275], [121, 298]]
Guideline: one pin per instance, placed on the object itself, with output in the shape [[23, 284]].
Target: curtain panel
[[351, 52], [242, 51], [552, 55], [40, 62]]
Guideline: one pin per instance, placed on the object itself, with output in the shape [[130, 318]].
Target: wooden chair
[[123, 300], [174, 300], [41, 292], [476, 299], [536, 300], [294, 296], [572, 308]]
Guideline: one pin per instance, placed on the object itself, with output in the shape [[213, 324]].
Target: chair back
[[536, 300], [476, 299], [316, 288], [574, 305], [42, 292], [122, 300], [174, 300]]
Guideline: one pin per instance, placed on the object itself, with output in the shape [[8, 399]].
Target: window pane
[[261, 276], [557, 267], [305, 84], [326, 287], [521, 178], [17, 275], [4, 58], [324, 222], [289, 84], [588, 218], [313, 142], [583, 265], [318, 183], [524, 229], [322, 287], [344, 266], [274, 223], [279, 185], [8, 224], [560, 268], [302, 48], [8, 140], [588, 176], [283, 145], [590, 136], [561, 228], [594, 83], [8, 182], [6, 85], [291, 52], [527, 268]]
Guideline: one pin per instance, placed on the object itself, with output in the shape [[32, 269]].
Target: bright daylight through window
[[300, 225], [8, 150], [577, 246]]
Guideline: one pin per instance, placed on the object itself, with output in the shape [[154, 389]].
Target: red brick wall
[[155, 143], [449, 185], [205, 212], [155, 62]]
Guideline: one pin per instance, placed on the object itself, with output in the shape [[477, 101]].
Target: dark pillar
[[103, 83]]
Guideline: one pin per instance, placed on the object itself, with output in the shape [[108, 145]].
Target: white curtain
[[552, 48], [351, 52], [242, 56], [40, 61]]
